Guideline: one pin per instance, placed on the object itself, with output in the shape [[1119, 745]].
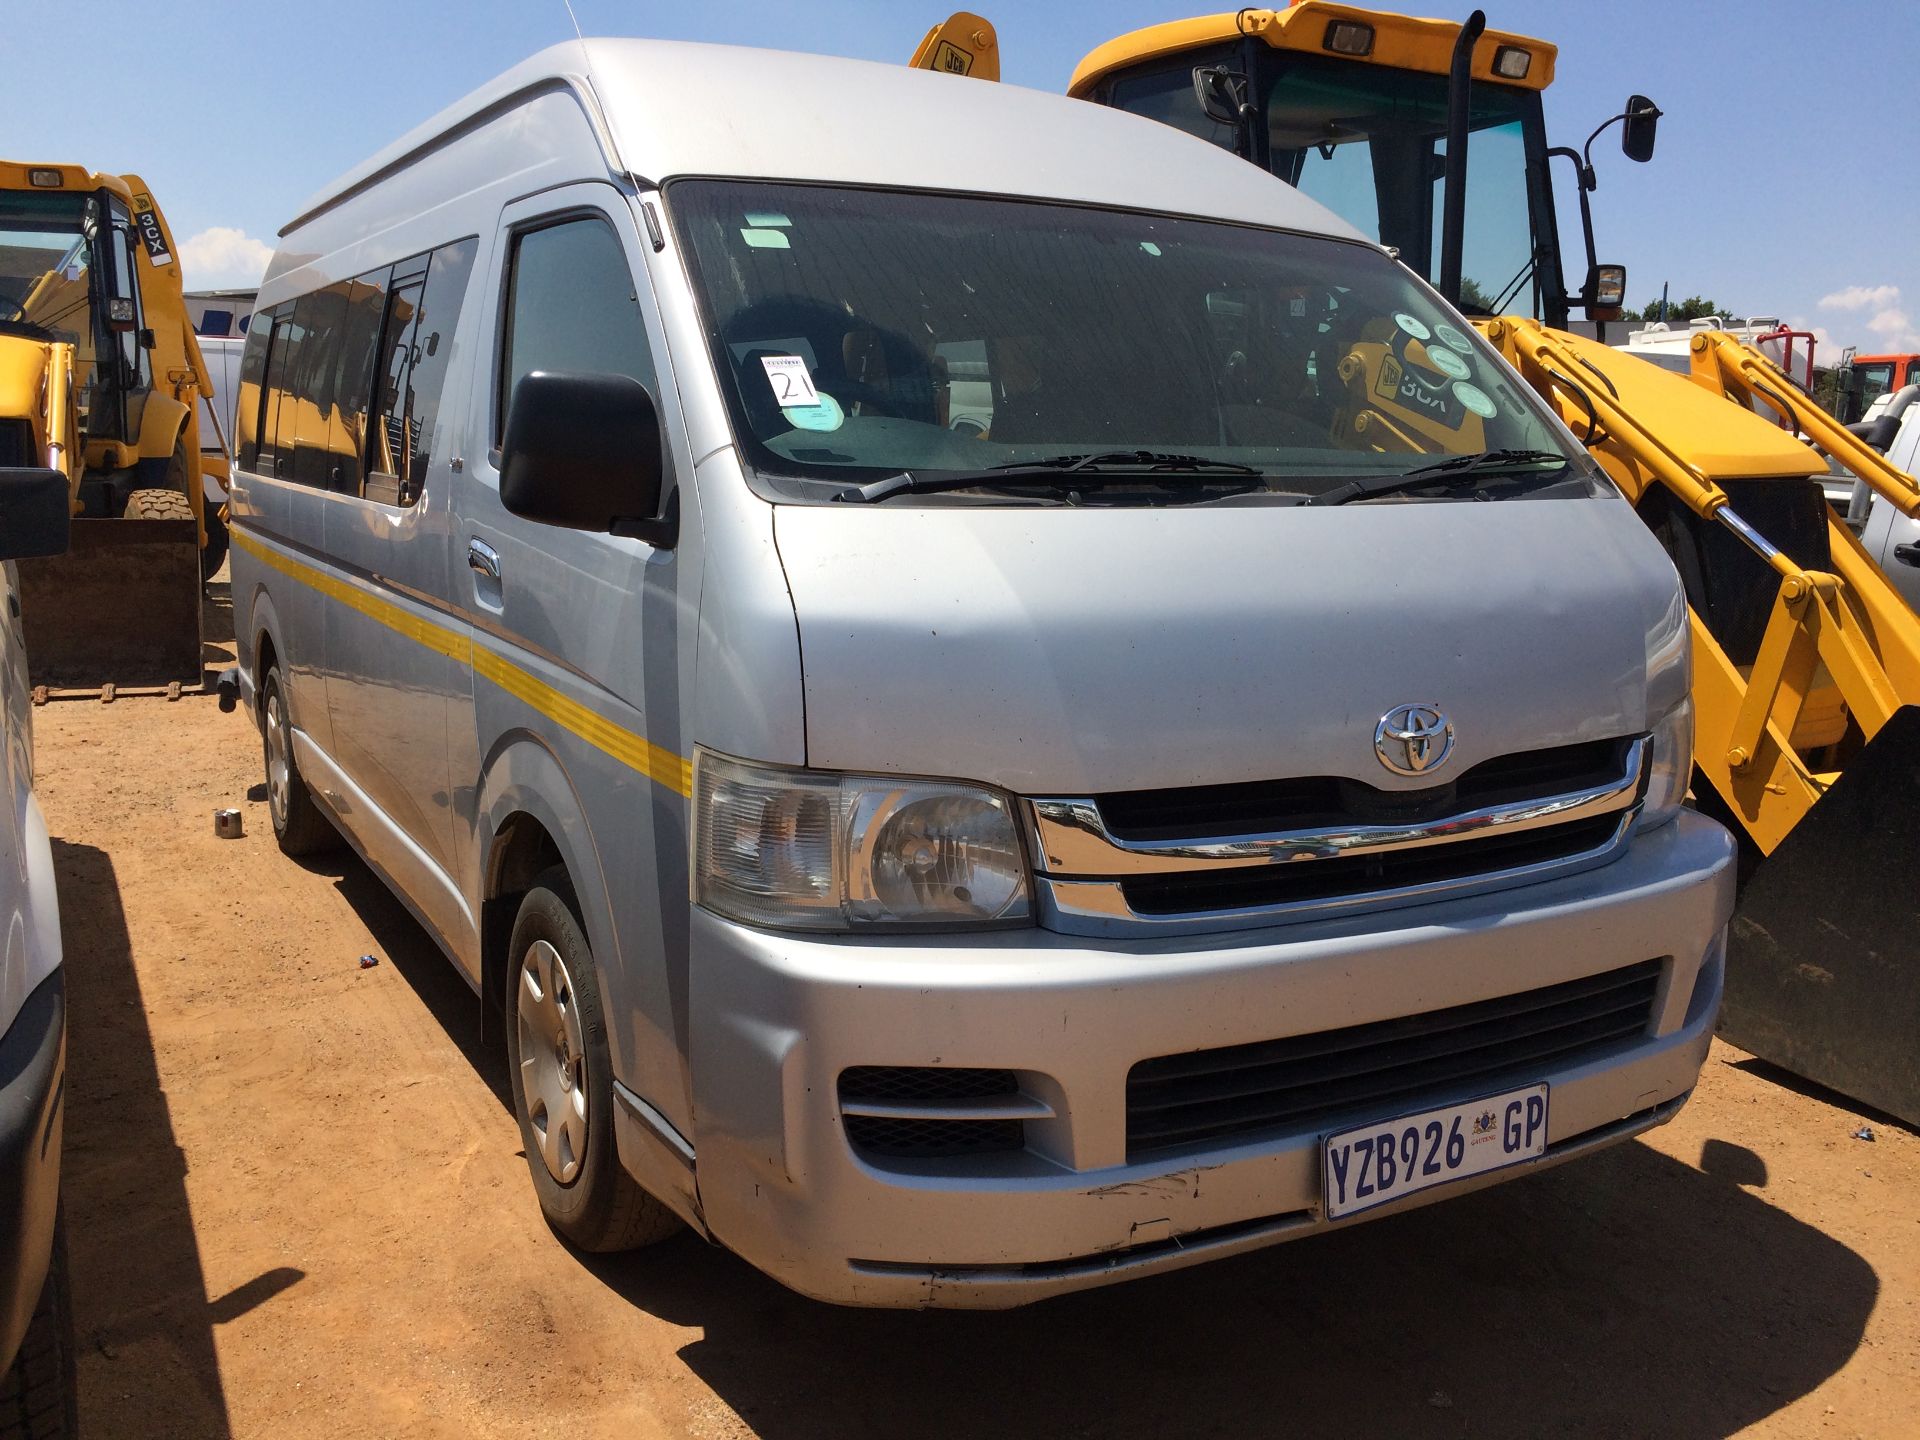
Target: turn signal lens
[[1349, 37]]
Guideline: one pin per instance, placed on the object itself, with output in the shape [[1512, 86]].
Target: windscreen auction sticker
[[1453, 339], [791, 382], [1475, 399], [1448, 363], [1412, 325]]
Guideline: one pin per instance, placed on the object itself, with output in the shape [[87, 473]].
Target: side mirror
[[1637, 135], [583, 452], [147, 341], [34, 511], [1222, 93]]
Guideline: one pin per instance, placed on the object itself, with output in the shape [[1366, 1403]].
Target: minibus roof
[[668, 108]]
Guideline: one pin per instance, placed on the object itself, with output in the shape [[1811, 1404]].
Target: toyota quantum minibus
[[989, 699]]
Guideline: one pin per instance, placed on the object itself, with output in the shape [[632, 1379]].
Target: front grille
[[1309, 1083], [1186, 892], [908, 1084], [895, 1138], [1268, 806], [900, 1089]]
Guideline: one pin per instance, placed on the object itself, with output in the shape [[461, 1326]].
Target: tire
[[214, 554], [301, 826], [37, 1393], [158, 505], [553, 994]]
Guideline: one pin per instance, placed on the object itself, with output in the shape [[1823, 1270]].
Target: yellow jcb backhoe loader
[[100, 379], [1428, 134]]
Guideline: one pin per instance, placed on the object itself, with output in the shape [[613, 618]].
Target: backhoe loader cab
[[100, 380], [1353, 107], [1428, 135]]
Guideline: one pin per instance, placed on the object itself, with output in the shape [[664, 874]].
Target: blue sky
[[1778, 187]]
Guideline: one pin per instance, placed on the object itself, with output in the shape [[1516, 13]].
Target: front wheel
[[563, 1080], [37, 1393]]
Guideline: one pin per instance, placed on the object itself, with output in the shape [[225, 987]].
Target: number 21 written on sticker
[[791, 383]]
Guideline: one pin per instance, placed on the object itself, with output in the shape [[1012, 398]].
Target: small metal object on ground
[[367, 962], [173, 690], [106, 694], [227, 825]]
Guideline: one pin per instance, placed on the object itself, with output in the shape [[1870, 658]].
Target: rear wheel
[[37, 1393], [300, 826], [563, 1080]]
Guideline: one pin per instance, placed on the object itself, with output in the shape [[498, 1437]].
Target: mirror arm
[[1586, 188], [661, 534]]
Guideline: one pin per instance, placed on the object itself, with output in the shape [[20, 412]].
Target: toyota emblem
[[1413, 739]]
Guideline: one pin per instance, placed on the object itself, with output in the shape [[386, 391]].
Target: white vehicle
[[36, 1340], [1893, 540], [222, 356], [982, 718]]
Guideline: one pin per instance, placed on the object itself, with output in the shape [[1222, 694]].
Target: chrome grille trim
[[1081, 868], [1070, 838]]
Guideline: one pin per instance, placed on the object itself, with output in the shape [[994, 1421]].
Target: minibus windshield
[[860, 332]]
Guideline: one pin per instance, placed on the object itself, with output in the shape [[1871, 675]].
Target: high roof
[[684, 109]]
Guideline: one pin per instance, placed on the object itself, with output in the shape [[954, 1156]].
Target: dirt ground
[[298, 1208]]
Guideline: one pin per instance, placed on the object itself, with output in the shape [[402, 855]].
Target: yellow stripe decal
[[634, 750]]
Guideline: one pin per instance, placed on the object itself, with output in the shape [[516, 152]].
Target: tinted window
[[312, 382], [390, 438], [571, 305], [440, 307], [277, 406], [353, 378], [246, 404]]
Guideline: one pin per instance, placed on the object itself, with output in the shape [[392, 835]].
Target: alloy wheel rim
[[279, 765], [553, 1061]]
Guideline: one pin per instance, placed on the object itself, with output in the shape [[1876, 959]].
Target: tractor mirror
[[34, 510], [1637, 135], [1221, 93]]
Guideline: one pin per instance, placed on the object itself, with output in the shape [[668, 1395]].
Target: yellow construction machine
[[1429, 135], [100, 380]]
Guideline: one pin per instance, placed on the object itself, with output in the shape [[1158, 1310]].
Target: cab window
[[571, 306]]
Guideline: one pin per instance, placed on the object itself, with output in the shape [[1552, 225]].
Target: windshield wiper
[[1102, 468], [1455, 470]]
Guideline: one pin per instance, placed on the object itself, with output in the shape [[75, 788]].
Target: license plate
[[1370, 1165]]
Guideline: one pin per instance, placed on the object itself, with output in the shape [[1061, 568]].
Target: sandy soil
[[298, 1208]]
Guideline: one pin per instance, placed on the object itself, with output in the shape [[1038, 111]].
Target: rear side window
[[340, 388], [571, 306], [246, 403]]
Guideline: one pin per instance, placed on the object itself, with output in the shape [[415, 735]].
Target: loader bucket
[[1823, 957], [121, 607]]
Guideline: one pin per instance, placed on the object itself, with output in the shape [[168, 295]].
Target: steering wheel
[[870, 398]]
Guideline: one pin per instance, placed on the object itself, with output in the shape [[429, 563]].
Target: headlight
[[805, 849], [1669, 768]]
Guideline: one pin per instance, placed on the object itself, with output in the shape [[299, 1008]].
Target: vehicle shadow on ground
[[1626, 1294], [411, 950], [143, 1318]]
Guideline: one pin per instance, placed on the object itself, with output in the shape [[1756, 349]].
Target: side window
[[389, 441], [246, 404], [277, 408], [440, 307], [571, 305], [353, 379], [319, 317]]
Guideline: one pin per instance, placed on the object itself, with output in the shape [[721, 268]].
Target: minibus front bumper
[[776, 1019]]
